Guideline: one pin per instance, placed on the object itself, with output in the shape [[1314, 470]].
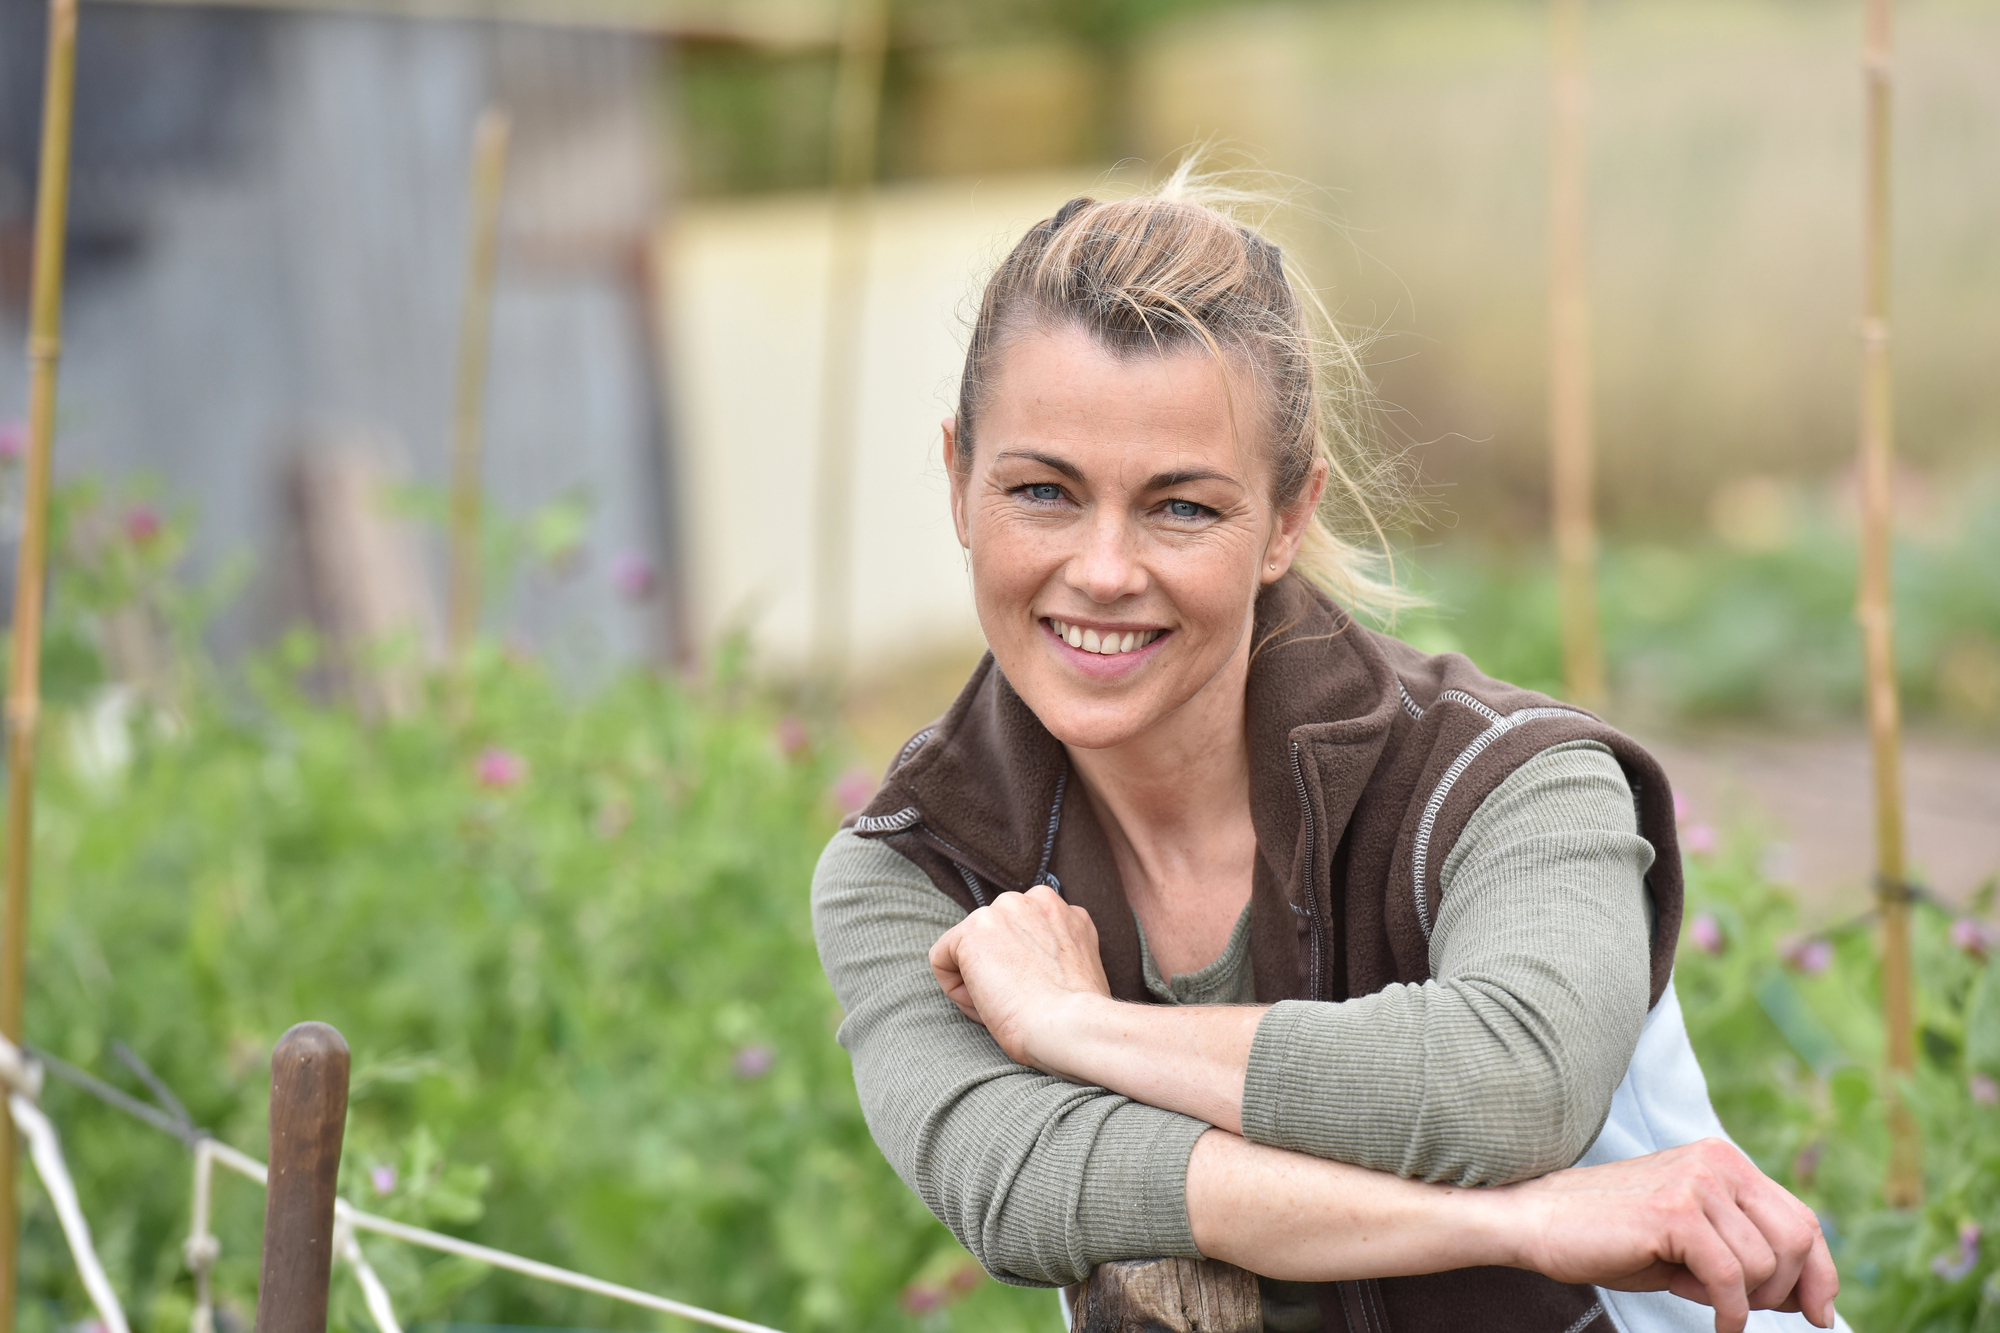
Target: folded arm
[[1500, 1068]]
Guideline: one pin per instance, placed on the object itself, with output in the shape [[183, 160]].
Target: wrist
[[1504, 1225], [1063, 1031]]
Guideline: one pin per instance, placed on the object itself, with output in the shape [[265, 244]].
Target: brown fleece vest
[[1367, 758]]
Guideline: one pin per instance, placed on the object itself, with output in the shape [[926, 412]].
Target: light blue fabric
[[1663, 1103]]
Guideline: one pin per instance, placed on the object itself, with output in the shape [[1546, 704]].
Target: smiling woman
[[1209, 922]]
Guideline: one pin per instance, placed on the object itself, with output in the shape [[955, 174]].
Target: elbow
[[1518, 1122]]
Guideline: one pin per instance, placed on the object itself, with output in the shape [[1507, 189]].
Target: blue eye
[[1185, 509], [1047, 492]]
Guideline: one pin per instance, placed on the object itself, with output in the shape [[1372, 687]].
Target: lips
[[1108, 642]]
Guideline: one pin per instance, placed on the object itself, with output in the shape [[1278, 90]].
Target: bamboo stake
[[1875, 611], [31, 565], [489, 171], [1572, 462], [857, 110]]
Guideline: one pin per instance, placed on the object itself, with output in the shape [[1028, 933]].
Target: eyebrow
[[1160, 481]]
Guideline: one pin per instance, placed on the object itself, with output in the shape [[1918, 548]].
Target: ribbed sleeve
[[1503, 1066], [1039, 1178]]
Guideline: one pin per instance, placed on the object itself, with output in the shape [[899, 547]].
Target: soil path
[[1812, 796]]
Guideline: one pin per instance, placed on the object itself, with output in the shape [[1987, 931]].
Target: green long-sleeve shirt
[[1500, 1068]]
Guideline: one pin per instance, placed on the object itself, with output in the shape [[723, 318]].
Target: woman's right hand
[[1700, 1221]]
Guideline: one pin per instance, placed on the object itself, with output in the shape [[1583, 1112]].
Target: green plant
[[1789, 1032]]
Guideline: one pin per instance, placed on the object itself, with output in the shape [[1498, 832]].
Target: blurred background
[[267, 257]]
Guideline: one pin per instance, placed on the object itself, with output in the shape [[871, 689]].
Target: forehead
[[1064, 389]]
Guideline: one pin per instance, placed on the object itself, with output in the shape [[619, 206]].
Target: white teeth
[[1090, 641], [1125, 644], [1075, 637]]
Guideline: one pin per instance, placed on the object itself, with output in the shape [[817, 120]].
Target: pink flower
[[1968, 1255], [1811, 957], [753, 1061], [1699, 839], [791, 736], [499, 769], [852, 790], [632, 574], [142, 524], [1707, 933], [1680, 807], [383, 1179], [1985, 1091], [13, 441], [1972, 935], [919, 1299]]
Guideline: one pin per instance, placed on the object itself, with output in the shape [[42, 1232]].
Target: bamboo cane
[[1572, 464], [31, 565], [1874, 610], [489, 171], [857, 109]]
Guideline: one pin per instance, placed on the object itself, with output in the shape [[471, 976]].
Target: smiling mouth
[[1107, 643]]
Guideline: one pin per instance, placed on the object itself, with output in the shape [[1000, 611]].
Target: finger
[[1789, 1227], [1714, 1265], [1819, 1283], [1754, 1252]]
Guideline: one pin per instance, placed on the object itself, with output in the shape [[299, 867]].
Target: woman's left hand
[[1015, 965]]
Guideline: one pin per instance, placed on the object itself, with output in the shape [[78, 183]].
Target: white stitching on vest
[[1420, 852], [894, 823], [1409, 704], [1589, 1316]]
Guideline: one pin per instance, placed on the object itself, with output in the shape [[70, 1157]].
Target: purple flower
[[383, 1179], [13, 441], [753, 1061], [1807, 1162], [1707, 933], [499, 769], [633, 575], [1985, 1091], [1968, 1255], [1972, 935], [791, 736], [1681, 807], [1811, 957], [852, 790], [1699, 839], [142, 524]]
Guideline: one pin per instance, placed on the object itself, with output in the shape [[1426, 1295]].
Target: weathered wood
[[308, 1121], [1166, 1296]]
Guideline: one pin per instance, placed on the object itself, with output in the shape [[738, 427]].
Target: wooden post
[[1167, 1296], [1874, 610], [308, 1121], [30, 571], [1572, 462], [489, 173], [857, 109]]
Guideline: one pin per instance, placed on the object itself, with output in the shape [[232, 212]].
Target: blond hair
[[1174, 270]]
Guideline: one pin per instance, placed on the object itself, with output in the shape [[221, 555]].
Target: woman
[[1208, 921]]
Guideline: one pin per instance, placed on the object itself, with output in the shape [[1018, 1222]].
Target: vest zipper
[[1313, 922]]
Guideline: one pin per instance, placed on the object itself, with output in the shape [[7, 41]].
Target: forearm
[[1190, 1060], [1301, 1218]]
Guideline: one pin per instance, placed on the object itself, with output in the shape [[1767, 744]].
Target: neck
[[1178, 794]]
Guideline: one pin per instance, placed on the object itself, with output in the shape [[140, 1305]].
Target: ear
[[956, 476], [1293, 521]]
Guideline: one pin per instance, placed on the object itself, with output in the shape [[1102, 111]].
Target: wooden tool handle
[[308, 1121]]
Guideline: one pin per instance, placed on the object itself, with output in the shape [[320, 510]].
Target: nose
[[1107, 568]]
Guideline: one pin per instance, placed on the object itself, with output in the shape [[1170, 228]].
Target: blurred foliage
[[569, 946], [1788, 1028], [757, 118], [1761, 627], [567, 940]]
